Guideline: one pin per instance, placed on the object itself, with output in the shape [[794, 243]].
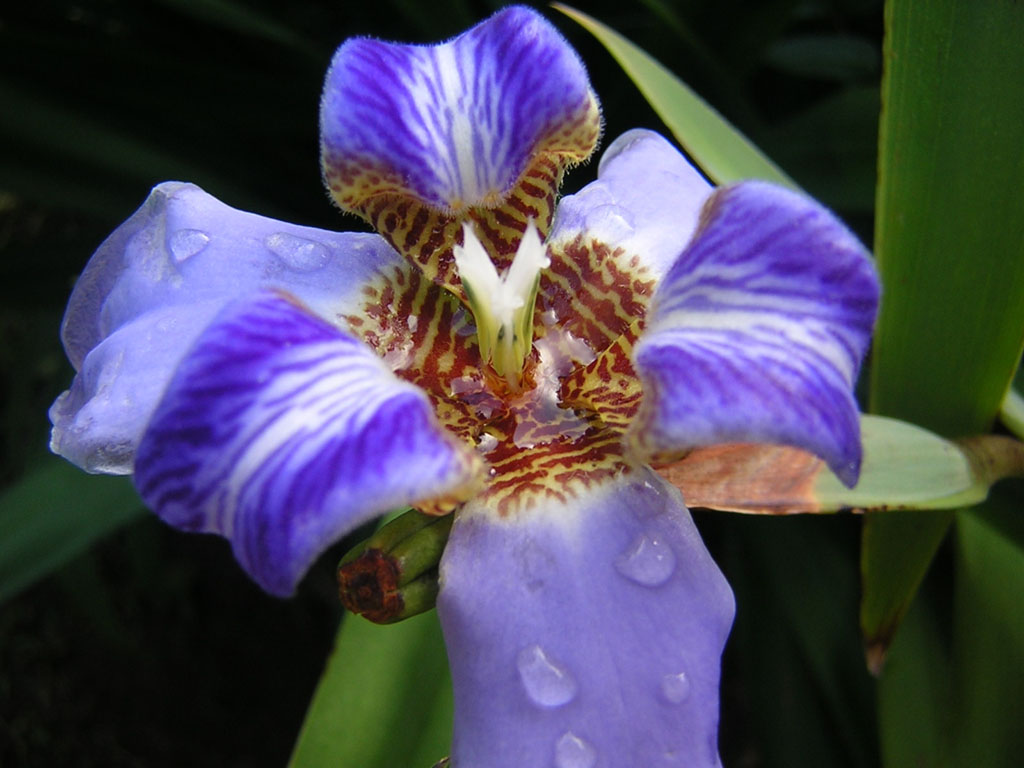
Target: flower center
[[502, 305], [559, 430]]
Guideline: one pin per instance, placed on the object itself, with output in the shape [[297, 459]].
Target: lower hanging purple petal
[[586, 635], [283, 433], [757, 332]]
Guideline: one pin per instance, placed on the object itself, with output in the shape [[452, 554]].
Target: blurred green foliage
[[152, 649]]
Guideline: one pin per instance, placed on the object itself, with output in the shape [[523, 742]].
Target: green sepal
[[905, 468]]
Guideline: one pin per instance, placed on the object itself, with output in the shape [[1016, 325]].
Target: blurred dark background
[[151, 648]]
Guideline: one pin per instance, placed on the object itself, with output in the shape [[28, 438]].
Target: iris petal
[[612, 241], [646, 201], [585, 635], [98, 422], [454, 125], [155, 283], [282, 433], [757, 332]]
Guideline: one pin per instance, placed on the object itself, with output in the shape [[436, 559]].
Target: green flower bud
[[393, 574]]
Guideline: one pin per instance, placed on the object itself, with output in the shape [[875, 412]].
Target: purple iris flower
[[489, 354]]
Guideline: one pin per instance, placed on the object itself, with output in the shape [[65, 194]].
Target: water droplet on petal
[[297, 252], [648, 561], [573, 752], [486, 443], [186, 243], [546, 682], [612, 221], [675, 688]]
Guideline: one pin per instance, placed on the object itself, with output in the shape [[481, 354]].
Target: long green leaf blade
[[722, 152], [950, 246], [988, 639], [384, 699], [949, 234]]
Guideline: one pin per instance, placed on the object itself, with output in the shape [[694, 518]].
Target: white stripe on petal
[[282, 433], [757, 331]]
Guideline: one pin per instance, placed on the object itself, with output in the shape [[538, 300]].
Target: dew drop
[[186, 243], [298, 253], [648, 561], [573, 752], [612, 221], [486, 443], [546, 683], [675, 688]]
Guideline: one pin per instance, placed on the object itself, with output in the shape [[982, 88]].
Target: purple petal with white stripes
[[454, 124], [757, 332], [157, 281], [283, 433], [646, 200], [586, 634]]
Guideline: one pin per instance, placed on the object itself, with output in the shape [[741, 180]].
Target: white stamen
[[502, 306]]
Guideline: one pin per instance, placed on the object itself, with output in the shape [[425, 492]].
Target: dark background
[[153, 649]]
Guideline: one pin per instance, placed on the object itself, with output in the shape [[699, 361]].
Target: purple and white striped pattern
[[588, 633], [155, 284], [757, 332], [455, 124], [283, 433]]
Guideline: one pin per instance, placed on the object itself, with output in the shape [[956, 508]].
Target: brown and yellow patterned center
[[427, 236], [563, 431]]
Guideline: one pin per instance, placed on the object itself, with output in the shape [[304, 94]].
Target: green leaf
[[1011, 413], [905, 468], [949, 235], [950, 247], [722, 152], [953, 698], [914, 728], [896, 550], [384, 699], [809, 696], [988, 635], [54, 514]]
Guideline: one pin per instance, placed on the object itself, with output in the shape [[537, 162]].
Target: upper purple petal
[[583, 635], [757, 332], [283, 433], [156, 282], [454, 124], [647, 200]]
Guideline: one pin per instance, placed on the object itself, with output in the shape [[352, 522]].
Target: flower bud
[[393, 574]]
